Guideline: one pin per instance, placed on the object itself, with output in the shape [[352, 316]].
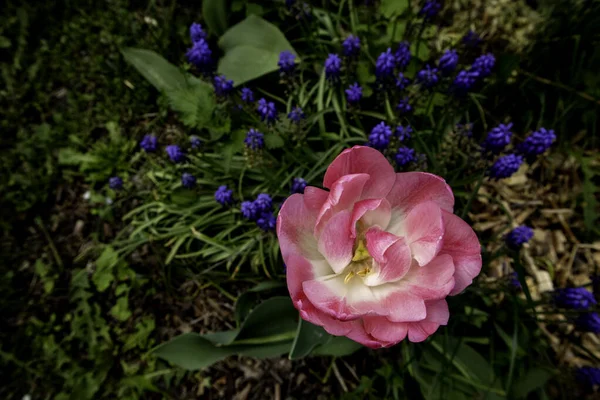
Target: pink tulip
[[374, 257]]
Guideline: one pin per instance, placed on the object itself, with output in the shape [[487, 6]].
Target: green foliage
[[215, 14], [271, 329], [251, 50]]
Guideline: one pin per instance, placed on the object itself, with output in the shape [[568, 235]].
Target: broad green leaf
[[191, 351], [103, 275], [251, 50], [215, 15], [534, 379], [272, 318], [244, 303], [194, 102], [307, 337], [267, 332], [159, 72], [254, 9], [389, 8], [338, 346]]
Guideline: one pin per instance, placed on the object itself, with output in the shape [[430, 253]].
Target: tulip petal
[[344, 194], [384, 330], [412, 188], [391, 254], [437, 314], [335, 242], [432, 281], [362, 159], [295, 224], [424, 230], [461, 242], [371, 212]]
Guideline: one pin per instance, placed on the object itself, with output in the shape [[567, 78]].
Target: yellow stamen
[[349, 277], [364, 272]]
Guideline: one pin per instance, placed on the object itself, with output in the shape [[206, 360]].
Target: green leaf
[[254, 9], [103, 275], [191, 351], [121, 310], [390, 8], [534, 379], [273, 317], [251, 50], [195, 103], [307, 338], [215, 15], [338, 346], [273, 141], [267, 332], [159, 72], [244, 303], [422, 53], [4, 42]]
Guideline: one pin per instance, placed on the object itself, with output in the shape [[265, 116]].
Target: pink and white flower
[[374, 257]]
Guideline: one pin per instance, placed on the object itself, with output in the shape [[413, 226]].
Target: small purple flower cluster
[[200, 54], [260, 211]]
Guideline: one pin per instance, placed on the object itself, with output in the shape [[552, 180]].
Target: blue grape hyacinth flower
[[448, 61], [380, 136], [296, 115], [267, 110], [175, 153], [574, 298], [196, 32], [222, 85], [333, 66], [354, 93], [518, 236], [195, 142], [404, 156], [287, 61], [464, 82], [298, 185], [249, 210], [200, 55], [537, 143], [430, 9], [351, 46], [404, 106], [263, 202], [428, 76], [484, 64], [149, 143], [188, 180], [402, 55], [266, 221], [402, 82], [385, 65], [224, 195], [498, 138], [115, 183], [247, 95], [505, 166], [403, 132], [254, 140]]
